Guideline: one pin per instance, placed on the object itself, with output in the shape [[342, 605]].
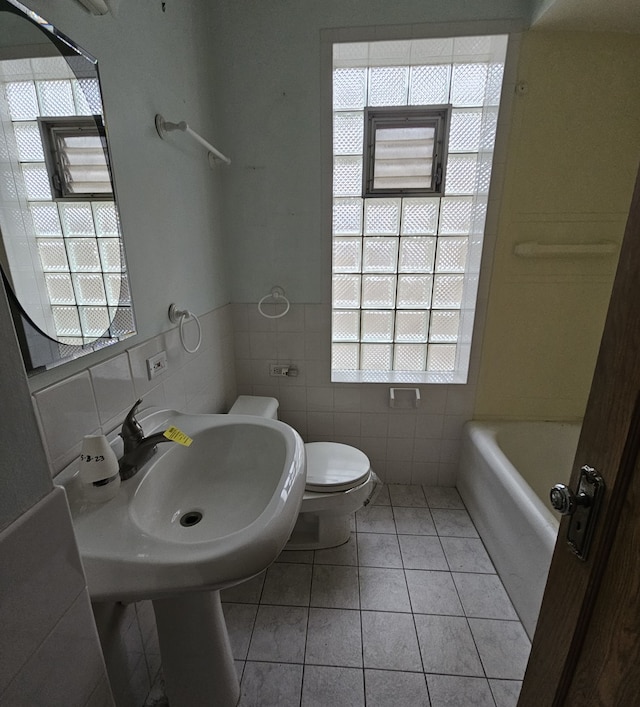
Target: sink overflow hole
[[190, 518]]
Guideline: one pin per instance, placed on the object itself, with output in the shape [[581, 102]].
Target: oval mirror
[[61, 250]]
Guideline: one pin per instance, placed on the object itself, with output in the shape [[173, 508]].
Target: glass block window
[[406, 242], [65, 191]]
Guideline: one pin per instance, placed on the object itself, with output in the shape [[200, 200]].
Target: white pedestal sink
[[192, 521]]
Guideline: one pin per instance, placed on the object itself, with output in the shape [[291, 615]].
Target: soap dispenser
[[99, 474]]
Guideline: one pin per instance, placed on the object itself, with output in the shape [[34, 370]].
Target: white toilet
[[339, 482]]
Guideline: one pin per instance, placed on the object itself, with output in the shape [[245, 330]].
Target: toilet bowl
[[339, 482]]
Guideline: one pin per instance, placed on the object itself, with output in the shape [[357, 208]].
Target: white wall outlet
[[157, 364], [278, 369]]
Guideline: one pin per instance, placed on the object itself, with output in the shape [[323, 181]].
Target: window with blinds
[[405, 150], [76, 157]]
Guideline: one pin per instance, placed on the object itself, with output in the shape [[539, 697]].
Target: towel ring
[[184, 315], [276, 294]]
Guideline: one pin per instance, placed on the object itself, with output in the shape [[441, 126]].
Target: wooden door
[[586, 649]]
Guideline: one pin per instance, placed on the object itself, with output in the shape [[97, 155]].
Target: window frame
[[65, 126], [436, 116]]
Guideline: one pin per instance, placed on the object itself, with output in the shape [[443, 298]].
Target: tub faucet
[[138, 449]]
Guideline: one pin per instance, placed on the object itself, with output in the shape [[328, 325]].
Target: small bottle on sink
[[99, 473]]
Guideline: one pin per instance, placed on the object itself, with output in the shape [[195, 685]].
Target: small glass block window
[[382, 217], [468, 84], [36, 181], [380, 255], [22, 100], [89, 288], [378, 291], [420, 216], [349, 89], [53, 254], [77, 219], [346, 291], [347, 176], [347, 255], [122, 323], [55, 97], [117, 289], [106, 219], [348, 130], [28, 142], [452, 254], [94, 321], [347, 217], [430, 85], [409, 357], [414, 291], [345, 357], [441, 357], [60, 288], [67, 320], [83, 255], [444, 326], [412, 326], [346, 325], [46, 219], [447, 291], [416, 254], [111, 254], [388, 85], [376, 357], [377, 325]]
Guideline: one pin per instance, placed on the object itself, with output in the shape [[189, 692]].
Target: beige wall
[[572, 157]]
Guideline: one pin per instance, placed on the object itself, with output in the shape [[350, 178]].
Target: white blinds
[[84, 164], [403, 157]]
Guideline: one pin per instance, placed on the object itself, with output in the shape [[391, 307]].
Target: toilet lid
[[332, 467]]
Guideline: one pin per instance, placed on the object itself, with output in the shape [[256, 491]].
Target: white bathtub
[[506, 471]]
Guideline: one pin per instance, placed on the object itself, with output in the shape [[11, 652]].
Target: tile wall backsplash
[[54, 643], [418, 446], [96, 400]]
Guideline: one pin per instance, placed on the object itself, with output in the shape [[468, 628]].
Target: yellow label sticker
[[176, 435]]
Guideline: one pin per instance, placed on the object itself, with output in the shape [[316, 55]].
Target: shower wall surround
[[418, 446]]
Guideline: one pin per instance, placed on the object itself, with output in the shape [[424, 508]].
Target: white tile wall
[[54, 644], [96, 400], [405, 446]]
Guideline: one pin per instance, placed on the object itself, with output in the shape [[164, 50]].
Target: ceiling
[[588, 15]]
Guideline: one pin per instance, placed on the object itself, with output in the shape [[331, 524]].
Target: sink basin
[[192, 521], [200, 517]]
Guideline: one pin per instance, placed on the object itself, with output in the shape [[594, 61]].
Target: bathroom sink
[[202, 517]]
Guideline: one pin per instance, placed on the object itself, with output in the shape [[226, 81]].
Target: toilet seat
[[334, 467]]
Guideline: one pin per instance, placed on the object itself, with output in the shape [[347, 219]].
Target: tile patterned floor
[[408, 613]]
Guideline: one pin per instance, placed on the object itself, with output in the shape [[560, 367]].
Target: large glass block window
[[64, 199], [405, 254]]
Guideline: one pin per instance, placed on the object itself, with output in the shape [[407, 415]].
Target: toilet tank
[[255, 405]]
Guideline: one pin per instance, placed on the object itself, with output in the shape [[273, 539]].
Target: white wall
[[268, 84]]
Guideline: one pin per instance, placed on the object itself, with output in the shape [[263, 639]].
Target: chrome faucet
[[138, 449]]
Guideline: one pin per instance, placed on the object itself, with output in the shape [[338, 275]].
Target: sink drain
[[191, 518]]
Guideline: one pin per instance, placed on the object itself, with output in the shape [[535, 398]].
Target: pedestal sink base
[[197, 661]]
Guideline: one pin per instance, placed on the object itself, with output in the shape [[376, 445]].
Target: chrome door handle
[[582, 507]]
